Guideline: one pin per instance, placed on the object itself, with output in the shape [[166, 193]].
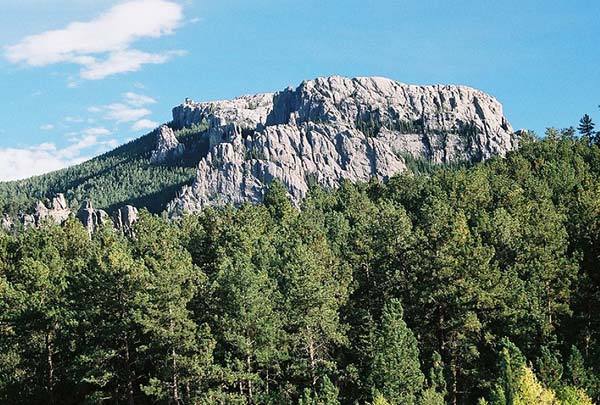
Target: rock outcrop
[[6, 223], [58, 211], [92, 218], [125, 217], [245, 111], [335, 128], [168, 147]]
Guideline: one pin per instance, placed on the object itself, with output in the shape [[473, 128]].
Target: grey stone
[[6, 223], [125, 217], [331, 129], [92, 218], [168, 147], [58, 212]]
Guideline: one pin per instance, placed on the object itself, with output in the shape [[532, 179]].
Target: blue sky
[[78, 77]]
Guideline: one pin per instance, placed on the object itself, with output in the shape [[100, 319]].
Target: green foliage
[[396, 372], [495, 264], [586, 127]]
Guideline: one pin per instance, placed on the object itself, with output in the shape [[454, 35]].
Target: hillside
[[122, 176]]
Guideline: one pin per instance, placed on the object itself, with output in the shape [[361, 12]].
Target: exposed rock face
[[92, 218], [6, 223], [58, 211], [330, 129], [245, 111], [167, 146], [125, 217]]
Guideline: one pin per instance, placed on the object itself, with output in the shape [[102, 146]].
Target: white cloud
[[129, 60], [47, 127], [124, 113], [20, 163], [102, 46], [73, 119], [144, 124], [130, 109], [138, 100], [96, 131]]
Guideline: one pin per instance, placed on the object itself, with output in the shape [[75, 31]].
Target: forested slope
[[458, 286], [121, 176]]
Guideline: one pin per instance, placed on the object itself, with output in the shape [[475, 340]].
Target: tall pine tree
[[396, 372]]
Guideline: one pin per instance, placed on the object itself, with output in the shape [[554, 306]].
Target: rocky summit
[[228, 152], [330, 129]]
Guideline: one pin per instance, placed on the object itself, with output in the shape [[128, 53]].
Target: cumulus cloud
[[144, 124], [73, 120], [103, 46], [124, 61], [20, 163], [96, 131]]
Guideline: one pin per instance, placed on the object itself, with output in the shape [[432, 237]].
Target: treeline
[[467, 285]]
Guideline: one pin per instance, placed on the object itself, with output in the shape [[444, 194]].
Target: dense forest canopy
[[463, 285]]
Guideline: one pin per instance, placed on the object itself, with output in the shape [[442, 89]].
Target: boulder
[[57, 212], [92, 218]]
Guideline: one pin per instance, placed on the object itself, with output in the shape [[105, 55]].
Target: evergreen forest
[[473, 284]]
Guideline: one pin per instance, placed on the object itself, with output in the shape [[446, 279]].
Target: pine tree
[[586, 127], [549, 367], [113, 286], [176, 345], [39, 314], [326, 394], [576, 370], [244, 300], [314, 288], [396, 372], [435, 393]]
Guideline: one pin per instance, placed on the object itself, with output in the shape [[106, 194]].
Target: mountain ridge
[[335, 128], [325, 131]]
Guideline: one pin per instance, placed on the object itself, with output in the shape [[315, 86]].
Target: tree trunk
[[188, 394], [454, 389], [249, 381], [130, 377], [50, 366], [175, 378], [267, 382], [313, 366]]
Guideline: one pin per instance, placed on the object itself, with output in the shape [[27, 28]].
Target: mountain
[[324, 131]]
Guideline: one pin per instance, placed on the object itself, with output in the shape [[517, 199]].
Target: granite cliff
[[334, 128], [228, 152]]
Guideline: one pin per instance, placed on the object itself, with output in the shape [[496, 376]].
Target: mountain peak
[[334, 128], [324, 131]]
